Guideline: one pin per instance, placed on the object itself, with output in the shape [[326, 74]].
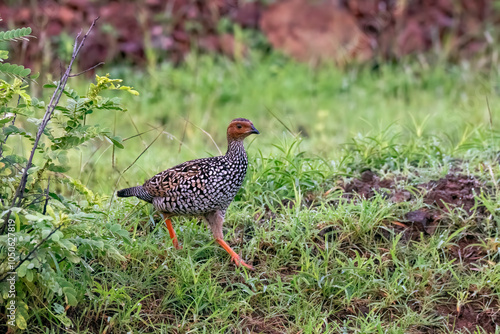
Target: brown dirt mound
[[454, 191], [468, 250], [470, 316], [369, 184], [443, 195], [259, 323]]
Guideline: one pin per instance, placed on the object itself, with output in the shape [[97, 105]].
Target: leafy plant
[[52, 237], [13, 35]]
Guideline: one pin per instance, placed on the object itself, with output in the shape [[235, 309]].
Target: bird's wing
[[169, 181]]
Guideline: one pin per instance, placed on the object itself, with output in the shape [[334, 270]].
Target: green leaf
[[25, 72], [6, 120], [70, 294], [130, 90], [21, 314], [73, 258], [22, 307], [58, 308], [21, 271], [4, 54], [64, 320], [56, 236], [115, 228], [116, 141], [63, 283], [21, 321], [45, 233], [58, 168], [17, 70], [29, 275], [15, 34], [11, 129], [65, 243], [123, 233], [61, 108]]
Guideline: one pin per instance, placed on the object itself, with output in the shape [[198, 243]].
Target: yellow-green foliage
[[16, 88], [105, 83], [52, 233]]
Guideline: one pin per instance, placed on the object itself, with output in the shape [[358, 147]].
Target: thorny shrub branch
[[54, 101], [18, 197]]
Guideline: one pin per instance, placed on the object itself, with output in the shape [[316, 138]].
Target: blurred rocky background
[[341, 31]]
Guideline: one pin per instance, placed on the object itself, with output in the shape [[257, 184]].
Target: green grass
[[327, 107], [324, 263]]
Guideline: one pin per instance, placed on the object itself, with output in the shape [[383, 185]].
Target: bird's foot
[[176, 243], [238, 261], [234, 257]]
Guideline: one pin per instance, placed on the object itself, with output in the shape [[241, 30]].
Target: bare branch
[[88, 69], [54, 100], [48, 114], [47, 197]]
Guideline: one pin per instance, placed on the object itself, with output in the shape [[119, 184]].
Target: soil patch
[[468, 250], [454, 190], [470, 316], [257, 323], [442, 196], [370, 184]]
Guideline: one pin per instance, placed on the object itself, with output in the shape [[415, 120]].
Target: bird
[[202, 187]]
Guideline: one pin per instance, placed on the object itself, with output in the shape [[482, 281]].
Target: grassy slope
[[364, 276]]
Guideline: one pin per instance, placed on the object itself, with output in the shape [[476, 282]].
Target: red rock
[[411, 39], [248, 15], [315, 32]]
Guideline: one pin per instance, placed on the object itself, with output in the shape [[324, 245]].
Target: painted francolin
[[202, 187]]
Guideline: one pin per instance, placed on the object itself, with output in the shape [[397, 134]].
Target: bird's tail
[[139, 192], [129, 192]]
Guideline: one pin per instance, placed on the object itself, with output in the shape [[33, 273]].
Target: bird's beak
[[254, 130]]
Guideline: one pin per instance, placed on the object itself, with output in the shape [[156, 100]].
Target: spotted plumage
[[202, 187]]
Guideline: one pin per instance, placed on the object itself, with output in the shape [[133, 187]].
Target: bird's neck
[[235, 149]]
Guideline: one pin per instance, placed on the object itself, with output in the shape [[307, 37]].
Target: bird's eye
[[238, 126]]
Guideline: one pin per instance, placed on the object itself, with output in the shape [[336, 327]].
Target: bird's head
[[240, 128]]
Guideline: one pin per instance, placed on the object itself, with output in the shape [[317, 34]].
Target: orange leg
[[171, 231], [234, 257]]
